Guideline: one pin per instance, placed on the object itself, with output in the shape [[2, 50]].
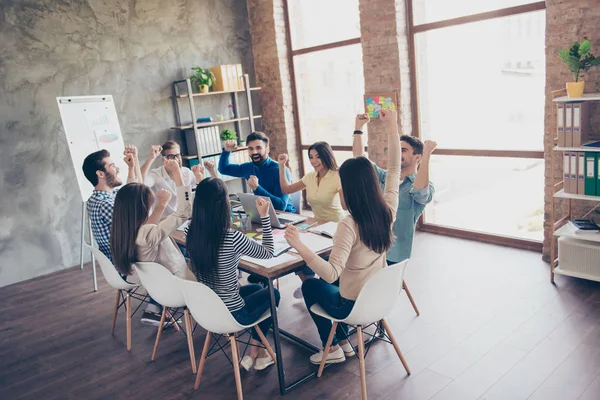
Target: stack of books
[[228, 78], [584, 226]]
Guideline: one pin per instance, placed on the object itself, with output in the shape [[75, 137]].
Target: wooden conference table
[[271, 274]]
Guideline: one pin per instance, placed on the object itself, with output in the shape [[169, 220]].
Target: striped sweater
[[235, 244]]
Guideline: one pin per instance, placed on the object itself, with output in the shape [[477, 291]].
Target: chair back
[[160, 284], [378, 296], [109, 271], [296, 199], [207, 308]]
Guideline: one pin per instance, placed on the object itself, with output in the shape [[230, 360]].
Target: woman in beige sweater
[[138, 235], [359, 245]]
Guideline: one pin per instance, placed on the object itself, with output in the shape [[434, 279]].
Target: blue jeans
[[257, 301], [327, 295]]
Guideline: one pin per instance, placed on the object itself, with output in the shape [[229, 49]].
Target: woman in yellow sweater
[[322, 186], [359, 245]]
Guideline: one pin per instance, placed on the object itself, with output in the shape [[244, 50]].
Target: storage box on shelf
[[573, 253]]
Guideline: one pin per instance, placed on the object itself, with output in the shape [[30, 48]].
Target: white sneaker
[[247, 362], [298, 293], [348, 349], [262, 363], [332, 358]]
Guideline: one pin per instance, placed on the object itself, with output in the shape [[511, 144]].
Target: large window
[[480, 96], [327, 71]]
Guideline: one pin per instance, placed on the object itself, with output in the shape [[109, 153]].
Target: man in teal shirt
[[415, 190]]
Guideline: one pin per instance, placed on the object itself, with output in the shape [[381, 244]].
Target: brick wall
[[269, 46], [385, 59], [567, 21]]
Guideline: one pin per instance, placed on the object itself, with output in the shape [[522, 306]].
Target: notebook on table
[[327, 229]]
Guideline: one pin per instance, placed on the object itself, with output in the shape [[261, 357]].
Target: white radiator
[[580, 257]]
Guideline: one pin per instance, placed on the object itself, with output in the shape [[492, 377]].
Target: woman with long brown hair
[[359, 245], [323, 189], [215, 251], [138, 235]]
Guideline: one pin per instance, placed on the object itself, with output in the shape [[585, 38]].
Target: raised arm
[[209, 165], [252, 248], [130, 160], [153, 233], [392, 181], [358, 148], [287, 188], [279, 202], [134, 174], [154, 152], [422, 178], [225, 167]]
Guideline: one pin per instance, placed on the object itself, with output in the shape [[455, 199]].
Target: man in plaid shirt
[[102, 172]]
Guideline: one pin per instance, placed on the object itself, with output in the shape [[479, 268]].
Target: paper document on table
[[314, 242], [271, 262], [278, 247], [184, 226], [327, 229]]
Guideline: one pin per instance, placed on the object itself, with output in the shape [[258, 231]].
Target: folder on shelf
[[232, 81], [573, 173], [568, 125], [221, 83], [590, 174], [240, 76], [560, 123], [566, 170], [581, 120], [597, 173], [580, 173]]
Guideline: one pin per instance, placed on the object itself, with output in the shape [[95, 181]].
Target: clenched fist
[[162, 197], [198, 171], [230, 145], [282, 159], [253, 182], [262, 206]]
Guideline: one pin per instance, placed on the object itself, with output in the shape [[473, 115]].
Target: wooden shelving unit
[[182, 90], [561, 227]]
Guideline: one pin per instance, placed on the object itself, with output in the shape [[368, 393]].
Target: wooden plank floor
[[491, 327]]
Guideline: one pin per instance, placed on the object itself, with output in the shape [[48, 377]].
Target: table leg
[[277, 339]]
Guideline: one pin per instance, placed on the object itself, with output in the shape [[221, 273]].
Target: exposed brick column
[[567, 21], [386, 68], [269, 46]]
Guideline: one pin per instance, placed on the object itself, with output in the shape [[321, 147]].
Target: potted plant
[[226, 135], [579, 59], [202, 79]]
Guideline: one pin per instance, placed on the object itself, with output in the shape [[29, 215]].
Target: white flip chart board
[[91, 124]]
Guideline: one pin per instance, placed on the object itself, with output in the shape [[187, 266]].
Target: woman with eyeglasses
[[160, 178]]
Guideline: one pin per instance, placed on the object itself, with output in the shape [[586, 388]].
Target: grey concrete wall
[[131, 49]]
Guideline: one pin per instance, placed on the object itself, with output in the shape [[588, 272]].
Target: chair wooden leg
[[361, 360], [114, 322], [327, 347], [412, 301], [202, 360], [159, 332], [237, 346], [177, 328], [128, 319], [190, 338], [395, 344], [236, 367], [265, 342]]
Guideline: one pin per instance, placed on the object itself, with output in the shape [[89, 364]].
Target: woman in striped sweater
[[215, 251]]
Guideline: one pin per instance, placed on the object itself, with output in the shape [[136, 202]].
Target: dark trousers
[[257, 301], [327, 295]]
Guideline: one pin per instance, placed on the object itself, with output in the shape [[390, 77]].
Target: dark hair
[[325, 154], [132, 206], [257, 136], [92, 163], [364, 200], [211, 219], [414, 142], [168, 145]]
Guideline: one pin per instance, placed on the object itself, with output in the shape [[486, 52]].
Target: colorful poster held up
[[378, 101]]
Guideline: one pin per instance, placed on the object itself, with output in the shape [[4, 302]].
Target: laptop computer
[[248, 201]]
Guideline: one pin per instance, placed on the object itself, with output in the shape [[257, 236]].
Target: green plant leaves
[[228, 134], [584, 48], [579, 58]]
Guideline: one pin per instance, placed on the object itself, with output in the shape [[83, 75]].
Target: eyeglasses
[[172, 156]]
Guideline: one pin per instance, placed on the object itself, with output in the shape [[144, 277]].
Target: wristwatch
[[357, 132]]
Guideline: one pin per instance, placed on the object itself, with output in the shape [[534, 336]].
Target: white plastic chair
[[212, 314], [295, 199], [163, 287], [125, 290], [375, 301]]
